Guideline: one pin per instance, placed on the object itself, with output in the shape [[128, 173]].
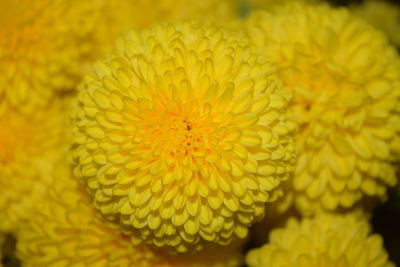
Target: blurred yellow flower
[[271, 3], [345, 79], [42, 46], [118, 16], [66, 231], [182, 136], [327, 240], [383, 15], [29, 145]]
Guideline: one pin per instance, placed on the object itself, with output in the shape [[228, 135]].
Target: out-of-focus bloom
[[182, 136], [383, 15], [119, 16], [29, 145], [327, 240], [271, 3], [281, 210], [42, 46], [66, 231], [345, 79]]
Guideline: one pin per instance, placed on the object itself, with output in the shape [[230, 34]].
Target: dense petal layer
[[118, 16], [182, 136], [345, 79], [43, 47], [66, 231], [327, 240]]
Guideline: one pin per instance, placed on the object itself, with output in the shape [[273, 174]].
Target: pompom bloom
[[381, 14], [66, 231], [42, 46], [327, 240], [29, 146], [182, 136], [345, 79]]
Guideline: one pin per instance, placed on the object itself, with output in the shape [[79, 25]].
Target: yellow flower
[[42, 46], [345, 79], [383, 15], [29, 145], [118, 16], [66, 231], [182, 136], [327, 240]]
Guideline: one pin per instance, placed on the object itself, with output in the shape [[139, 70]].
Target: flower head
[[29, 146], [182, 136], [66, 231], [327, 240], [383, 15], [345, 77], [42, 46]]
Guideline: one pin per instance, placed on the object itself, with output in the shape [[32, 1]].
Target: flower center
[[177, 130]]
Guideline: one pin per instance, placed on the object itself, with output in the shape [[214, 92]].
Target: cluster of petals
[[182, 136], [67, 231], [345, 77], [118, 16], [326, 240], [29, 146], [43, 48]]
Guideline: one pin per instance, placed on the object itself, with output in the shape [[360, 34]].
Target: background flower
[[119, 16], [44, 46], [327, 240], [66, 231], [345, 79], [271, 3], [182, 136], [383, 15], [29, 146]]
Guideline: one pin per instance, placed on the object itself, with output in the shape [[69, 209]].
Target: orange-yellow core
[[175, 129]]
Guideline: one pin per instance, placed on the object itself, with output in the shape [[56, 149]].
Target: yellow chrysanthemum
[[345, 79], [119, 16], [42, 46], [29, 145], [66, 231], [383, 15], [327, 240], [182, 136]]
